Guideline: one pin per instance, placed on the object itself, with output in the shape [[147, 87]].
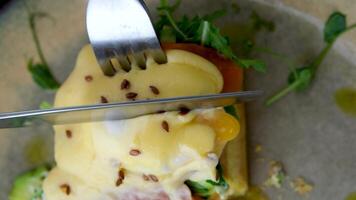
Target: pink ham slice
[[157, 194]]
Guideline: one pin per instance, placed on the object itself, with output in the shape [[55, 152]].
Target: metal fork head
[[122, 30]]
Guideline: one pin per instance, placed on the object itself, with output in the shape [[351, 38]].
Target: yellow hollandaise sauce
[[146, 157]]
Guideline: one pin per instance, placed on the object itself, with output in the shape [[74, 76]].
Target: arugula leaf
[[215, 15], [301, 78], [165, 6], [258, 65], [40, 71], [232, 111], [210, 36], [166, 19], [202, 31], [167, 35], [335, 25]]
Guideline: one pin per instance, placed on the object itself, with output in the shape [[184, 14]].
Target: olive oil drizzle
[[345, 99]]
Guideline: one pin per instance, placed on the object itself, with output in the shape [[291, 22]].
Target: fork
[[122, 31]]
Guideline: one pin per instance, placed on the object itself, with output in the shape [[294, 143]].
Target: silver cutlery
[[123, 110], [121, 30]]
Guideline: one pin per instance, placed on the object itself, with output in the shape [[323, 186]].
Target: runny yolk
[[226, 126]]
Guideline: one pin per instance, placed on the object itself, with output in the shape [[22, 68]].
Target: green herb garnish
[[40, 71], [220, 178], [201, 188], [45, 105], [232, 111], [199, 30], [301, 78], [243, 35], [206, 188]]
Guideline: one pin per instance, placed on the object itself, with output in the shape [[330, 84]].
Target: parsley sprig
[[40, 71], [301, 78], [199, 30]]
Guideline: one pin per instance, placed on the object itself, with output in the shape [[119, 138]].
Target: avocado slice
[[28, 186]]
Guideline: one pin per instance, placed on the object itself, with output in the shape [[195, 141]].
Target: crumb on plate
[[300, 186], [258, 148], [276, 175]]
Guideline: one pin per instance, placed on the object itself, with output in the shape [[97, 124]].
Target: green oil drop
[[351, 196], [345, 99]]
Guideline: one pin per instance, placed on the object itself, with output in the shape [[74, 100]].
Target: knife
[[122, 110]]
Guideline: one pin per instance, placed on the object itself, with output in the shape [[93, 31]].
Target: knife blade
[[121, 110]]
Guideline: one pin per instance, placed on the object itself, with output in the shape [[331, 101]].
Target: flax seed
[[125, 84], [131, 95], [145, 177], [88, 78], [65, 188], [135, 152], [161, 111], [154, 90], [153, 178], [184, 110], [69, 133], [103, 99], [165, 126]]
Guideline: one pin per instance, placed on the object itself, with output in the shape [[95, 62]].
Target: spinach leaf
[[202, 188], [232, 111], [220, 178], [207, 188]]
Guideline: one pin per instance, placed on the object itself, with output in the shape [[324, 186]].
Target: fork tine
[[124, 63], [108, 68], [140, 59], [159, 56], [124, 28], [105, 62]]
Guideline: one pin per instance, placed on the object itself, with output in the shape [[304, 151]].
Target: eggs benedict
[[160, 156]]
